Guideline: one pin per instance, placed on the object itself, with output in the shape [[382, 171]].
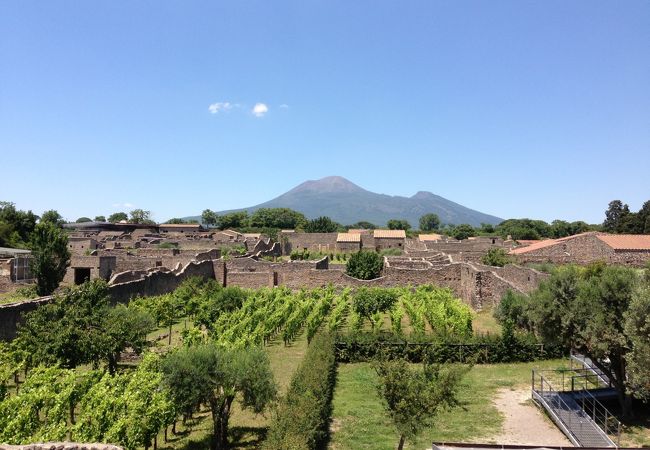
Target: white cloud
[[284, 106], [220, 106], [260, 109]]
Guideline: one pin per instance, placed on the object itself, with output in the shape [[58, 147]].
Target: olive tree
[[206, 374], [414, 397]]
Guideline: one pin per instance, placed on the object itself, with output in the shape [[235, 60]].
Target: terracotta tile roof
[[528, 241], [536, 245], [390, 234], [348, 237], [430, 237], [626, 241], [252, 235]]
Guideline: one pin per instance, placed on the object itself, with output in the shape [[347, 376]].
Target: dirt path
[[523, 422]]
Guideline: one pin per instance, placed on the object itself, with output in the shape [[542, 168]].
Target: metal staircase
[[580, 416]]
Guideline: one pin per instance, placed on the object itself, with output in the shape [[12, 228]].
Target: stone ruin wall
[[477, 285]]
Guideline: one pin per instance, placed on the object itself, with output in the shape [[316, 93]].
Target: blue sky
[[516, 108]]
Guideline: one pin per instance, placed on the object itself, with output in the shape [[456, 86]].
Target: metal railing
[[590, 407]]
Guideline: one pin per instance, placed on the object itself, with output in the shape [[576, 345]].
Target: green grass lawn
[[483, 322], [360, 422]]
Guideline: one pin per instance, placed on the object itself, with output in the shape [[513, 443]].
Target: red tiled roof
[[626, 241], [390, 234], [348, 237], [546, 243]]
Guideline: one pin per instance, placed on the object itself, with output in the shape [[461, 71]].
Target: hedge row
[[303, 415], [509, 347]]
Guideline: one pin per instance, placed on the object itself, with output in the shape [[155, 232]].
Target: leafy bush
[[496, 257], [512, 309], [488, 349], [303, 415], [365, 265], [370, 301]]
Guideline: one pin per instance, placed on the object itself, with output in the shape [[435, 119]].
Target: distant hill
[[347, 203]]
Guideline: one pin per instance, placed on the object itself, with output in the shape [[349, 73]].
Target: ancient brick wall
[[322, 242], [160, 282]]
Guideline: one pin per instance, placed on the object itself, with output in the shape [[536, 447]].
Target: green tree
[[429, 222], [369, 301], [209, 218], [283, 218], [141, 216], [83, 220], [176, 220], [463, 231], [52, 216], [363, 225], [118, 217], [322, 224], [524, 229], [16, 226], [50, 257], [616, 212], [637, 328], [398, 224], [413, 398], [364, 265], [496, 257], [233, 220], [584, 309], [99, 219], [209, 375], [80, 327]]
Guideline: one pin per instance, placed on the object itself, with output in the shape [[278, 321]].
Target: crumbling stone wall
[[321, 242], [160, 282]]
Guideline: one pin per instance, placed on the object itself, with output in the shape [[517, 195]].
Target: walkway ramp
[[580, 416]]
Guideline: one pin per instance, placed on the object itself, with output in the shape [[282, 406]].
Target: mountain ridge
[[347, 203]]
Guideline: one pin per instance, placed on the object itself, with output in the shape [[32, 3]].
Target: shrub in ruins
[[50, 257], [364, 265]]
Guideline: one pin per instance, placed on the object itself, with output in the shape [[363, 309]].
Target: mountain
[[347, 203]]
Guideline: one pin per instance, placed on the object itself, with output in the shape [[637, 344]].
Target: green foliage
[[283, 218], [370, 301], [413, 398], [209, 375], [83, 220], [429, 222], [390, 252], [359, 346], [209, 218], [463, 231], [141, 216], [176, 221], [16, 226], [100, 219], [398, 224], [512, 309], [364, 265], [363, 225], [127, 409], [585, 309], [233, 220], [52, 216], [164, 245], [50, 257], [118, 217], [637, 329], [80, 327], [322, 224], [497, 257], [302, 418]]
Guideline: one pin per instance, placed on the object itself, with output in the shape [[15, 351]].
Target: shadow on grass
[[247, 437]]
